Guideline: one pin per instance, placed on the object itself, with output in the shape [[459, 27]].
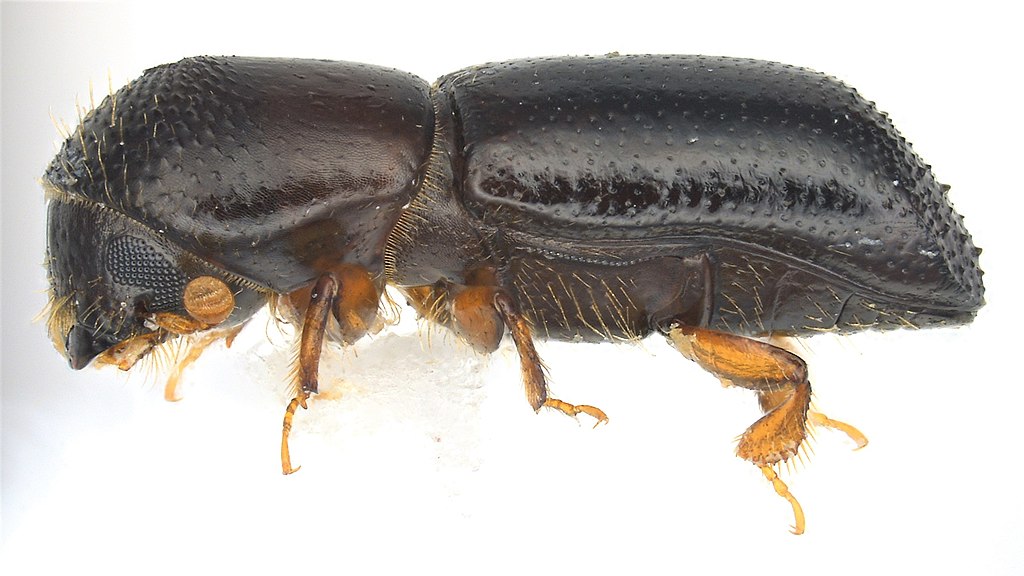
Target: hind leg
[[784, 393], [779, 378]]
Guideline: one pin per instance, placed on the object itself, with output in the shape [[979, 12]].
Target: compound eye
[[137, 262]]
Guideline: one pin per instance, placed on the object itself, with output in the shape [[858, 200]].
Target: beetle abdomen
[[274, 169], [662, 150]]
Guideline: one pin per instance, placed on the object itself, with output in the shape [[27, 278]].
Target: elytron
[[720, 202]]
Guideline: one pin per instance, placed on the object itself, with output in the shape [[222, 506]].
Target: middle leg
[[533, 368]]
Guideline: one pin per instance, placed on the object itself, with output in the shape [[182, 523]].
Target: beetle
[[721, 202]]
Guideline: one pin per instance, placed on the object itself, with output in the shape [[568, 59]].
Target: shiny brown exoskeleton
[[710, 199]]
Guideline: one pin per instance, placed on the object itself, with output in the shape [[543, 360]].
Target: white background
[[432, 459]]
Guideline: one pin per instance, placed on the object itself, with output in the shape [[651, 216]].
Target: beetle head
[[118, 289]]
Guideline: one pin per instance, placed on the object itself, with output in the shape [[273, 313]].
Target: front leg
[[350, 295], [314, 325]]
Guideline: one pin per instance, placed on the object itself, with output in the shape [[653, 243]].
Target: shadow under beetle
[[605, 198]]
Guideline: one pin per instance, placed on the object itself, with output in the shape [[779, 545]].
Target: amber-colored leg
[[355, 306], [782, 490], [816, 418], [780, 379], [856, 435], [196, 349], [475, 318], [286, 429], [770, 400], [310, 344], [532, 368]]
